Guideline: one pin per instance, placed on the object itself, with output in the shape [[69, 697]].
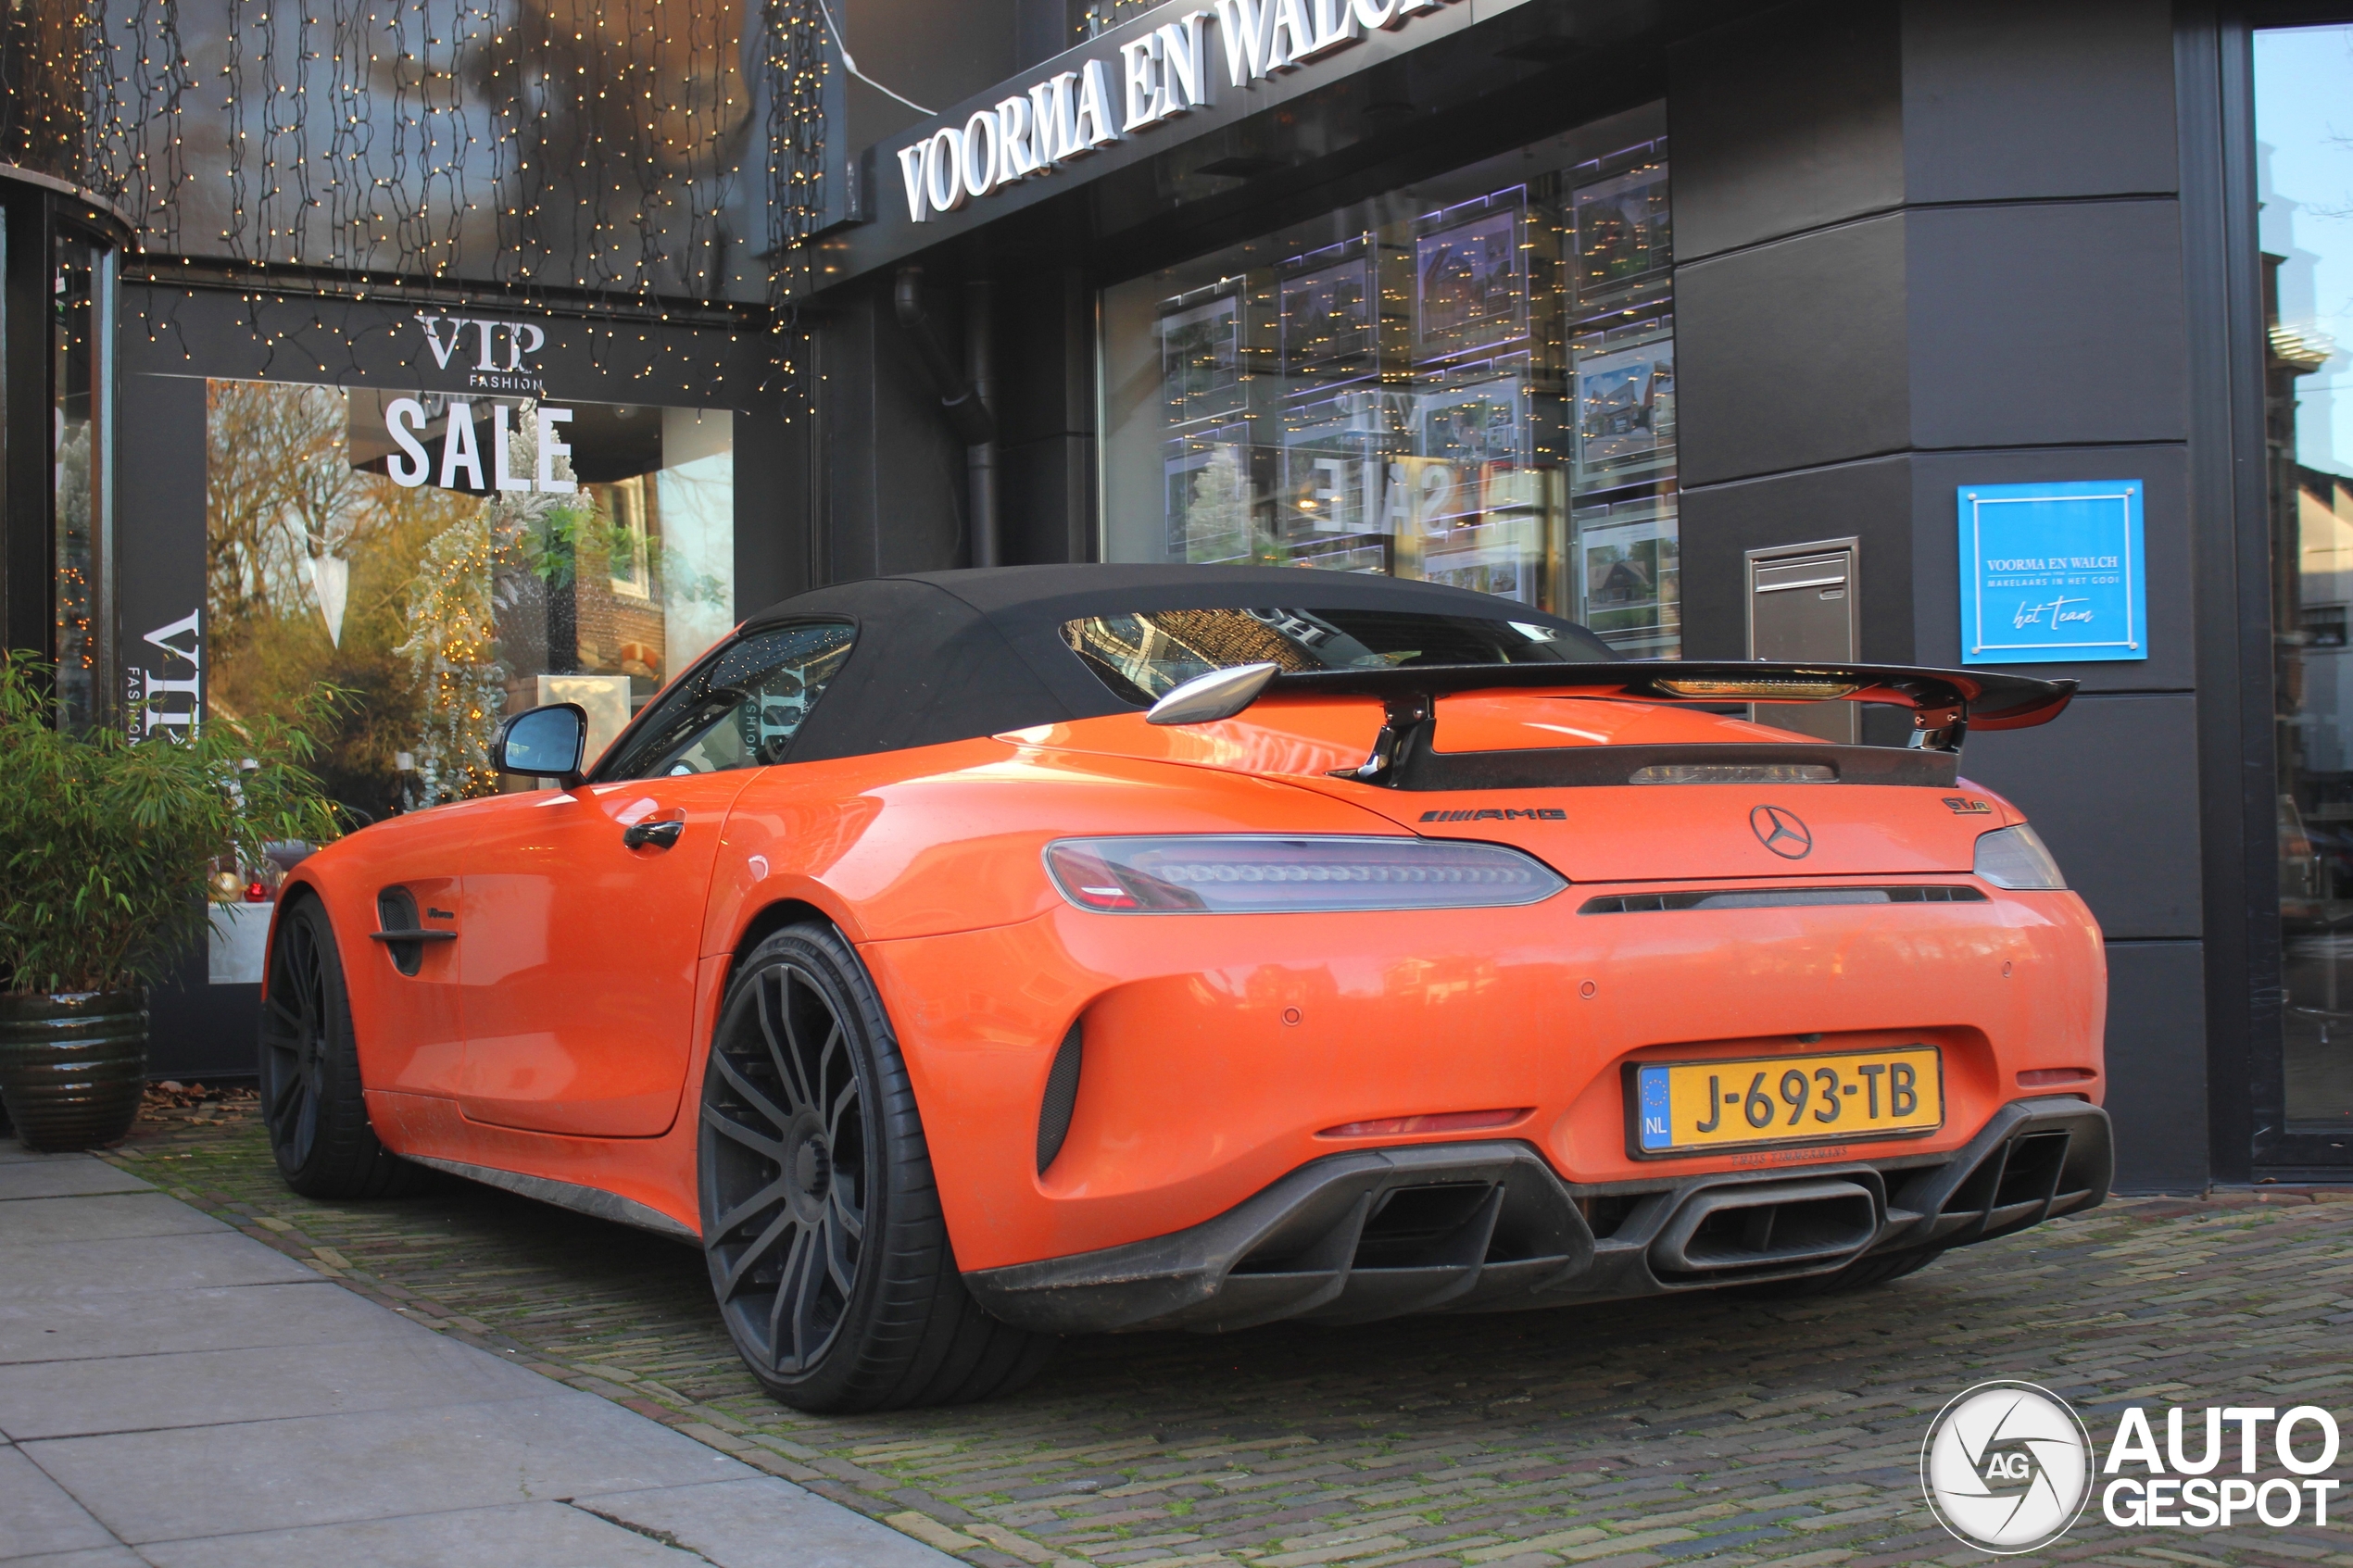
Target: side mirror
[[545, 742]]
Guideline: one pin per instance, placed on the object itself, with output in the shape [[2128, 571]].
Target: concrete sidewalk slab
[[39, 1517], [143, 1264], [209, 1387], [537, 1534], [174, 1393], [109, 1217], [747, 1523], [59, 1176], [56, 1327]]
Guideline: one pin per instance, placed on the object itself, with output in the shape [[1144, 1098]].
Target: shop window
[[2304, 172], [450, 562], [1470, 379], [73, 429]]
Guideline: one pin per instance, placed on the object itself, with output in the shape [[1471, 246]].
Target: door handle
[[661, 836]]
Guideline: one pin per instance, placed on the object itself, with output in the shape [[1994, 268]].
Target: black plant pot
[[72, 1066]]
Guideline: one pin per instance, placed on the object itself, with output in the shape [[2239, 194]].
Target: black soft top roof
[[948, 656]]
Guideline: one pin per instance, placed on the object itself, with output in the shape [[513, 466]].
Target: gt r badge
[[1778, 829], [1499, 815], [1964, 805]]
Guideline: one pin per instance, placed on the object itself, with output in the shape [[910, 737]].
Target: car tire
[[311, 1100], [820, 1219], [1864, 1273]]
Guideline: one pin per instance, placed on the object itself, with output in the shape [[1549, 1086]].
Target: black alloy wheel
[[310, 1088], [821, 1221]]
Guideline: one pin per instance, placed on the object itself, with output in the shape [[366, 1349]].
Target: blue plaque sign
[[2053, 574]]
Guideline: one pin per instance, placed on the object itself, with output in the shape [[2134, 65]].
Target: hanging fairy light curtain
[[620, 152]]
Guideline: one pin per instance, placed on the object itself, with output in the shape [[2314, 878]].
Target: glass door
[[2304, 183]]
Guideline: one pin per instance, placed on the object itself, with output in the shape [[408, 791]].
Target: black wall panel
[[895, 487], [2156, 1065], [2111, 784], [1784, 122], [2047, 324], [2012, 99], [1871, 501], [1793, 355]]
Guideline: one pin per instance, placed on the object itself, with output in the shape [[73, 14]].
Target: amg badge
[[1499, 815]]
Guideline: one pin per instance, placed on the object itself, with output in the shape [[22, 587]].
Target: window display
[[2302, 75], [1469, 381], [449, 562]]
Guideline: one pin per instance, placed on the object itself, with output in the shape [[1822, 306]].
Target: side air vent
[[1062, 1098], [397, 910], [1777, 899]]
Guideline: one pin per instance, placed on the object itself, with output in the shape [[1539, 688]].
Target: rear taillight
[[1238, 874], [2015, 858]]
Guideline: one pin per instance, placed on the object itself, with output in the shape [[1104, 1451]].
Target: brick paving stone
[[1697, 1428]]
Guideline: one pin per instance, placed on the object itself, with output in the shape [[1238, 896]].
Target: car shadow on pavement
[[1681, 1426]]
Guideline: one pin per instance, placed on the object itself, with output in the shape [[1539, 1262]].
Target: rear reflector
[[1443, 1121], [2040, 1077]]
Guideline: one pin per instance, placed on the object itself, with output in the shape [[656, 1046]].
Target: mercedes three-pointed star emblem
[[1779, 830]]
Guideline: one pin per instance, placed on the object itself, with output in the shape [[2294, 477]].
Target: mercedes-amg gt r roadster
[[967, 959]]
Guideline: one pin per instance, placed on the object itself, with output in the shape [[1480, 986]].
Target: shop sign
[[464, 455], [2053, 574], [492, 355], [164, 693], [1158, 76]]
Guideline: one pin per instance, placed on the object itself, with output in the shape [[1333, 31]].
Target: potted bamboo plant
[[108, 849]]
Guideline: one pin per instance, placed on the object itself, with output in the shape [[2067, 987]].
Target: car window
[[741, 710], [1142, 656]]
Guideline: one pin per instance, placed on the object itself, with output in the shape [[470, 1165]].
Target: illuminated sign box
[[2053, 574]]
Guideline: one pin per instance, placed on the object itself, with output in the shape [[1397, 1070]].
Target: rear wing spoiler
[[1945, 704]]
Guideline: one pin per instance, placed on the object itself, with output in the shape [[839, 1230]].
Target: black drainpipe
[[965, 404]]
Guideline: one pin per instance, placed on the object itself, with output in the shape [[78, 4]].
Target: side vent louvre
[[397, 910], [1061, 1098]]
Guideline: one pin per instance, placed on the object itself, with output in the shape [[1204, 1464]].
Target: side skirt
[[567, 1195]]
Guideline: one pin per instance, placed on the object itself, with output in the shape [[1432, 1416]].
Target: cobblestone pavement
[[1697, 1428]]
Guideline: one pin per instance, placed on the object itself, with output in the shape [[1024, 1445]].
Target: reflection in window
[[2303, 78], [1469, 381], [415, 549], [1144, 656], [742, 709], [73, 337]]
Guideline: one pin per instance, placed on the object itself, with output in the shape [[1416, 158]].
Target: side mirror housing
[[545, 742]]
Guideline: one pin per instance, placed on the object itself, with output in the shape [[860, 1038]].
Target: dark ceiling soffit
[[1497, 79], [890, 235], [103, 213], [393, 288]]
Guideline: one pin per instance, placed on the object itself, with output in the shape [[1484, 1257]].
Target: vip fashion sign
[[493, 356], [1159, 75]]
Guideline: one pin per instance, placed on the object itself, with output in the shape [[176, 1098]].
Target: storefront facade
[[1727, 329], [1712, 327]]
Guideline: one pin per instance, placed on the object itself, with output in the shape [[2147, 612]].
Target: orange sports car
[[971, 958]]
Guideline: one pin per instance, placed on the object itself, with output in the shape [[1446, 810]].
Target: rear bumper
[[1489, 1228]]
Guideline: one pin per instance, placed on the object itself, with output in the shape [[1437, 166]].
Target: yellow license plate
[[1682, 1107]]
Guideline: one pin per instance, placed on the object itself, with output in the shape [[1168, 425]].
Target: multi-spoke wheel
[[820, 1222], [310, 1098]]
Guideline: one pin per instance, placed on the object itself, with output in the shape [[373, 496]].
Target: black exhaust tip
[[1747, 1229]]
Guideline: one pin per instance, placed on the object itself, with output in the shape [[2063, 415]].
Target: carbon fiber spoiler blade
[[1946, 704]]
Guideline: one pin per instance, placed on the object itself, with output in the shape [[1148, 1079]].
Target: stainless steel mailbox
[[1803, 606]]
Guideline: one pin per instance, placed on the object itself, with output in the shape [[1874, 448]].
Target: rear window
[[1144, 655]]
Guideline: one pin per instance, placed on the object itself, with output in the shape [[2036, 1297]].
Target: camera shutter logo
[[2007, 1467]]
